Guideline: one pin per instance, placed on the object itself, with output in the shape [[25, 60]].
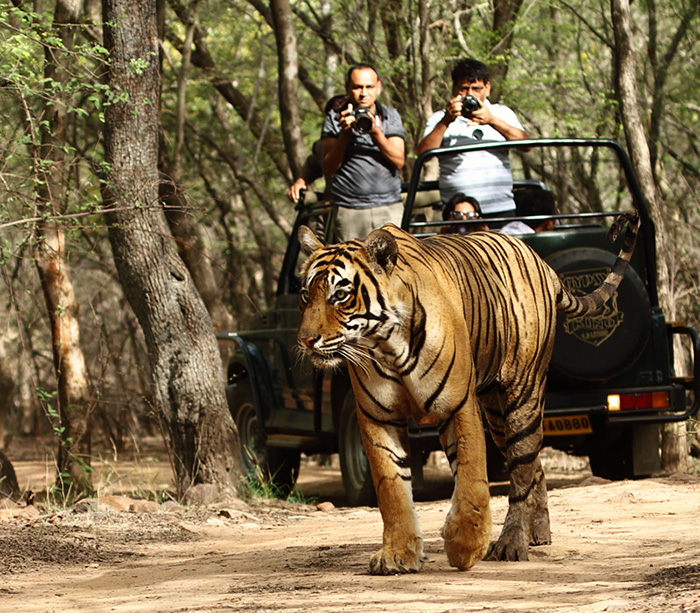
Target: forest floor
[[625, 546]]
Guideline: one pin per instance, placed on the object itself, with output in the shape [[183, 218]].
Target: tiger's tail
[[584, 305]]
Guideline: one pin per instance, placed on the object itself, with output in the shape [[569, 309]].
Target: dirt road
[[623, 547]]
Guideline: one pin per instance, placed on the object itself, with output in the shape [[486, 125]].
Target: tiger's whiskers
[[358, 356]]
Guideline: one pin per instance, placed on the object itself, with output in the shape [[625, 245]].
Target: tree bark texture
[[288, 69], [50, 258], [186, 368], [195, 254], [7, 389], [74, 402], [673, 442]]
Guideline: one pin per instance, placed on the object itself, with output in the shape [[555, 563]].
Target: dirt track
[[626, 546]]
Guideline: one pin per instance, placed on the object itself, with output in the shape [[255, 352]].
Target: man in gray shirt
[[364, 150]]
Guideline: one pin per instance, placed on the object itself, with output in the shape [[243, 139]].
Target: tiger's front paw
[[510, 547], [467, 540], [389, 561]]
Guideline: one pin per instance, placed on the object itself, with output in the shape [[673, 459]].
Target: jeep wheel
[[612, 458], [630, 452], [354, 465], [278, 466]]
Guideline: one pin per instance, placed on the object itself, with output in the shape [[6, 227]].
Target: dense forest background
[[241, 92]]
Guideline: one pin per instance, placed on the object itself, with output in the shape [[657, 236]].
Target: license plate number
[[566, 426]]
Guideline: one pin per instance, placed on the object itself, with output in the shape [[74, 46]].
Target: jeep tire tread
[[280, 466]]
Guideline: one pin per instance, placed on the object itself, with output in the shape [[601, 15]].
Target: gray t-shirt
[[365, 178]]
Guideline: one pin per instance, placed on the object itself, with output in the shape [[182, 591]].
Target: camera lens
[[363, 121], [469, 105]]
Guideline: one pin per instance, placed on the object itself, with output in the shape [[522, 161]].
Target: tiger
[[438, 326]]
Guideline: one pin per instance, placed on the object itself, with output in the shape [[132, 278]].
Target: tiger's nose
[[307, 340]]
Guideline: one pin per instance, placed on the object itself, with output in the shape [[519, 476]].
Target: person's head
[[532, 201], [363, 85], [458, 207], [471, 77]]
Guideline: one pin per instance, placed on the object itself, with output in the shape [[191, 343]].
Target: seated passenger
[[530, 202], [462, 207]]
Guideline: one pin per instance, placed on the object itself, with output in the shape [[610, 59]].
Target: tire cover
[[599, 346]]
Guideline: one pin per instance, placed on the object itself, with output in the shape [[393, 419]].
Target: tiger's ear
[[382, 249], [308, 240]]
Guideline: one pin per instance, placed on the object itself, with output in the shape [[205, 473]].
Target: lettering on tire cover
[[597, 327]]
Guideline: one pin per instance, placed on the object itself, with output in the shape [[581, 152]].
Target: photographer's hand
[[482, 116], [295, 189], [434, 139], [376, 125], [347, 118], [452, 110], [485, 117], [392, 148]]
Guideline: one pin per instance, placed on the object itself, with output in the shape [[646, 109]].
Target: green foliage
[[257, 485]]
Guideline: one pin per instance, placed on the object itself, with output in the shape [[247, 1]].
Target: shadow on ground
[[325, 483]]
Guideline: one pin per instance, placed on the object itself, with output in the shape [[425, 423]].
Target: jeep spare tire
[[599, 346]]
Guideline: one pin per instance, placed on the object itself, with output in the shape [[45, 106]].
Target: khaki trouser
[[358, 223]]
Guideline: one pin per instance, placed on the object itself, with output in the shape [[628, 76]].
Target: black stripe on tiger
[[523, 460], [396, 423], [369, 394], [531, 428], [443, 425], [430, 400], [537, 481], [400, 461]]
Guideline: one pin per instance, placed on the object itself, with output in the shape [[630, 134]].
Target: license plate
[[566, 426]]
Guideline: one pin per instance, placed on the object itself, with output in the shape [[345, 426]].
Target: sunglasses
[[464, 215]]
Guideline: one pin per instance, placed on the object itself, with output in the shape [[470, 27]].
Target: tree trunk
[[7, 389], [192, 248], [8, 480], [74, 402], [673, 441], [195, 254], [186, 368], [73, 413], [505, 13], [287, 79]]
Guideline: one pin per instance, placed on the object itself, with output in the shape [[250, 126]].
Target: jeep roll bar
[[647, 230]]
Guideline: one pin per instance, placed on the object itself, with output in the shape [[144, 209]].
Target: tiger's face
[[344, 313]]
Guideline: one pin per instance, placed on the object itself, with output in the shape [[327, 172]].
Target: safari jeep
[[612, 380]]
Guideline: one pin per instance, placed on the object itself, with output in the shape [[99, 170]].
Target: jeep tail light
[[645, 400]]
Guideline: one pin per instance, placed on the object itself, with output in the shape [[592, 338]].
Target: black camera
[[363, 120], [469, 105]]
